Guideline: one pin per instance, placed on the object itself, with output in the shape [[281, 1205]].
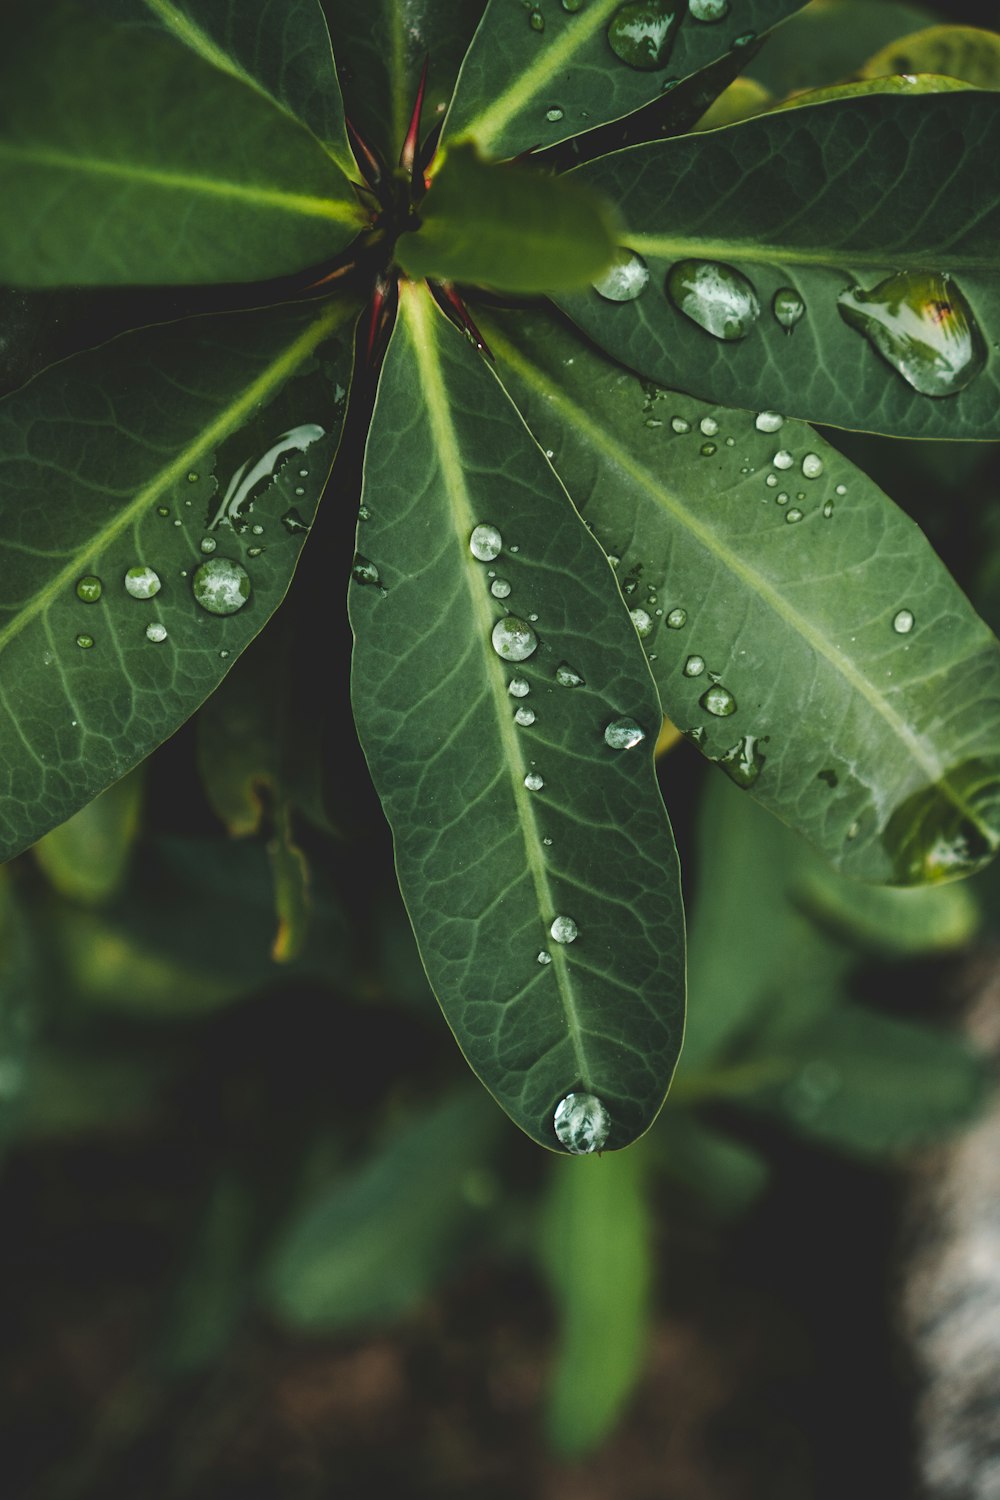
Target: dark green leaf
[[86, 858], [18, 1002], [820, 200], [885, 919], [601, 1014], [212, 1289], [124, 458], [828, 42], [369, 1247], [963, 52], [879, 743], [726, 1174], [598, 1255], [508, 228], [126, 158], [526, 84]]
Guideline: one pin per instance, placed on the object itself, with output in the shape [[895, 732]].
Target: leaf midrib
[[210, 436], [423, 322], [833, 258]]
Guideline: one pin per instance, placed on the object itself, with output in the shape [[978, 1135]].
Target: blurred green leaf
[[368, 1248], [964, 52], [18, 1003], [597, 1253], [743, 99], [86, 858], [887, 919], [830, 40], [213, 1287], [726, 1174]]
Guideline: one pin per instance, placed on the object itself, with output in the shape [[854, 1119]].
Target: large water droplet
[[624, 734], [514, 639], [694, 666], [743, 762], [626, 279], [524, 717], [768, 421], [643, 622], [518, 688], [485, 543], [142, 583], [788, 307], [221, 586], [564, 930], [718, 700], [89, 588], [238, 497], [568, 676], [923, 327], [708, 10], [500, 588], [717, 297], [782, 459], [902, 622], [581, 1123], [642, 34], [533, 781], [677, 618], [156, 632]]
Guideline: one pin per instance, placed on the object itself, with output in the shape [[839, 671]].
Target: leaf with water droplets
[[838, 644], [96, 456], [513, 838], [863, 232]]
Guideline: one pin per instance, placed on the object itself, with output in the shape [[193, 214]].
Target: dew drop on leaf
[[365, 572], [643, 622], [518, 687], [572, 6], [812, 466], [524, 717], [536, 20], [717, 297], [694, 666], [679, 424], [208, 544], [156, 632], [793, 515], [581, 1123], [626, 278], [533, 781], [544, 957], [485, 543], [708, 426], [707, 450], [89, 588], [568, 676], [718, 700], [564, 930], [85, 641], [142, 582], [768, 421], [514, 639], [500, 588], [624, 734], [743, 762], [902, 622], [221, 586], [554, 115], [827, 509], [788, 307], [709, 10], [677, 618], [642, 33], [923, 327], [782, 459]]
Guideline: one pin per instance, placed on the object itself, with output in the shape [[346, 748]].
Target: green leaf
[[86, 858], [827, 42], [133, 456], [211, 1292], [964, 52], [370, 1247], [125, 158], [526, 85], [601, 1014], [283, 51], [740, 101], [820, 200], [726, 1174], [598, 1255], [878, 743], [508, 228], [885, 919], [382, 47]]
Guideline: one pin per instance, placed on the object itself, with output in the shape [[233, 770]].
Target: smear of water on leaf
[[642, 33], [237, 500]]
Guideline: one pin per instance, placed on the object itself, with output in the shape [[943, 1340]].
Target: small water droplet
[[572, 6], [303, 473], [717, 297], [768, 421], [677, 618], [788, 307], [718, 700], [524, 717], [259, 552], [624, 734], [643, 622], [547, 842], [581, 1123], [781, 499], [568, 676], [744, 761], [554, 115], [364, 571], [162, 510], [156, 632], [544, 957], [812, 466], [827, 509], [364, 514], [564, 930], [178, 522], [293, 522], [192, 478], [902, 622], [221, 586], [89, 588], [257, 530], [707, 450], [771, 480], [793, 515], [536, 20], [782, 459], [694, 666], [709, 10], [923, 327], [518, 688], [533, 781], [709, 426], [642, 33], [85, 641], [142, 582], [500, 588], [208, 544], [745, 39], [626, 279], [485, 543], [841, 489], [680, 425]]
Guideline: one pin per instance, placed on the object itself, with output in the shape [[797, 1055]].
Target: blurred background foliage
[[249, 1185]]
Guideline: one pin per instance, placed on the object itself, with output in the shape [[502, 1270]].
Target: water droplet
[[781, 499], [744, 761], [788, 307], [524, 717], [364, 571], [554, 115], [902, 622], [841, 489], [709, 10], [581, 1123], [624, 734], [192, 478], [677, 618], [500, 588], [642, 621], [536, 20], [793, 515], [257, 530], [812, 466], [303, 473], [564, 930], [485, 543], [89, 588], [258, 552], [745, 39], [518, 688], [782, 459], [545, 957], [771, 480], [642, 33], [208, 544], [293, 522], [547, 842], [514, 639], [718, 700], [237, 500], [533, 781], [364, 514], [768, 421], [221, 586], [680, 425], [709, 426], [827, 509], [923, 327], [162, 510], [707, 450], [142, 583], [626, 279], [568, 676], [694, 666], [156, 632], [86, 641], [717, 297], [572, 6]]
